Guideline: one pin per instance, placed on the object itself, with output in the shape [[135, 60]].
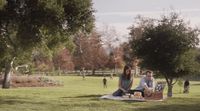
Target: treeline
[[89, 52]]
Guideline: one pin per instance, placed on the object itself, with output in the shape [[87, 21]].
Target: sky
[[120, 14]]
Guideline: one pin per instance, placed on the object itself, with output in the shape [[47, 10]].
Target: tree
[[63, 60], [41, 60], [89, 53], [128, 55], [26, 24], [115, 59], [111, 43], [136, 31], [165, 47]]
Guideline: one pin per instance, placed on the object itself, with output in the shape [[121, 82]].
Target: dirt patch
[[32, 81]]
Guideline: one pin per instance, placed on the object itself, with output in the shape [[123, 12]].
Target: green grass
[[83, 95]]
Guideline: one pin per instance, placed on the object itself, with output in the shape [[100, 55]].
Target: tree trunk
[[169, 92], [93, 72], [170, 86], [7, 75]]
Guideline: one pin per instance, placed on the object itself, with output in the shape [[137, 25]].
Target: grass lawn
[[83, 95]]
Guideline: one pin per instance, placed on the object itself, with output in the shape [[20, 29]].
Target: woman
[[125, 82]]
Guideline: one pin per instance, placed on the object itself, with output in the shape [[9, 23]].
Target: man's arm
[[143, 83], [151, 88]]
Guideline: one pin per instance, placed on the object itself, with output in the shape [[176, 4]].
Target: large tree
[[89, 53], [27, 24], [165, 45], [63, 60]]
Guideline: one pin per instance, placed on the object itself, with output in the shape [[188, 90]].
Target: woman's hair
[[126, 67]]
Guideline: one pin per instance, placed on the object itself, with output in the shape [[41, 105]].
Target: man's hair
[[148, 71]]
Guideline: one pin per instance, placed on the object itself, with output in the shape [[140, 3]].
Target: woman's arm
[[131, 84], [120, 86]]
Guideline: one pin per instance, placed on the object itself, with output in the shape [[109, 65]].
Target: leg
[[119, 92]]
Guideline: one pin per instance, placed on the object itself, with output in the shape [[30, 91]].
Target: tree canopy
[[27, 24], [165, 47]]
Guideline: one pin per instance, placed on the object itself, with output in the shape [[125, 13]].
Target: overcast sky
[[120, 13]]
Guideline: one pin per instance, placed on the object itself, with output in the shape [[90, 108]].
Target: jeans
[[119, 92]]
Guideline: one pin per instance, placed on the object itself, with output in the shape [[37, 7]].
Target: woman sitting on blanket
[[125, 82]]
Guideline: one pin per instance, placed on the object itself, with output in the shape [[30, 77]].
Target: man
[[104, 82], [186, 86], [146, 85]]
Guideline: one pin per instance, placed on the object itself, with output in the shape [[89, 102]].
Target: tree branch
[[9, 39], [175, 81], [166, 78], [7, 35]]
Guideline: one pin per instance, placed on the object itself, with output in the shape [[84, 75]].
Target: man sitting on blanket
[[146, 85]]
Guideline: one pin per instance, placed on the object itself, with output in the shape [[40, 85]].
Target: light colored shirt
[[146, 83]]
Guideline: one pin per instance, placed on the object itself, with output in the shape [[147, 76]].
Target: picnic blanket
[[120, 98], [156, 96]]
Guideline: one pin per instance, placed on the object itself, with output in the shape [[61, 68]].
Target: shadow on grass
[[85, 96], [17, 100], [88, 97], [175, 104], [197, 84], [97, 98], [172, 107]]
